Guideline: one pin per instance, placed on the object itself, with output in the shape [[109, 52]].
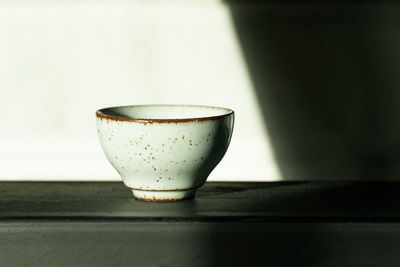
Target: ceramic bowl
[[164, 152]]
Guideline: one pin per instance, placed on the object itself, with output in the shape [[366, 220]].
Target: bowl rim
[[101, 115]]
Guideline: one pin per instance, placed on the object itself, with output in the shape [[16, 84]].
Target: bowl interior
[[165, 112]]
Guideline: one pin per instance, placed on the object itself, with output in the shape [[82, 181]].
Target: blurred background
[[314, 85]]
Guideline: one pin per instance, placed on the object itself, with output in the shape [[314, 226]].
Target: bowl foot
[[159, 196]]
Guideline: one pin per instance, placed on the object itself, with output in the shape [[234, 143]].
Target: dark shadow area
[[327, 77], [303, 224]]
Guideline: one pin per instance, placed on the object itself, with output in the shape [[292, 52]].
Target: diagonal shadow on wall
[[327, 78]]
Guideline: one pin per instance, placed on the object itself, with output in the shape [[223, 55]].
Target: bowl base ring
[[163, 196]]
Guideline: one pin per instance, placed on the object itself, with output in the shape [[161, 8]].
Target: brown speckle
[[183, 137], [109, 138], [130, 158], [116, 157]]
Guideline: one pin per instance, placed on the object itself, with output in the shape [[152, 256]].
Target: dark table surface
[[227, 224], [277, 201]]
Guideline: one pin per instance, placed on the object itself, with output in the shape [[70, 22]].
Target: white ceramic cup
[[164, 152]]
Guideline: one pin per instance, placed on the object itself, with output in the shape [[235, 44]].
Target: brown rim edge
[[100, 114], [162, 190], [163, 199]]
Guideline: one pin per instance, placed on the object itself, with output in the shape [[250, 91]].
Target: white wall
[[62, 60]]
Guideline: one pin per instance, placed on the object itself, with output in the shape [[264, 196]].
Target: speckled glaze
[[164, 152]]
